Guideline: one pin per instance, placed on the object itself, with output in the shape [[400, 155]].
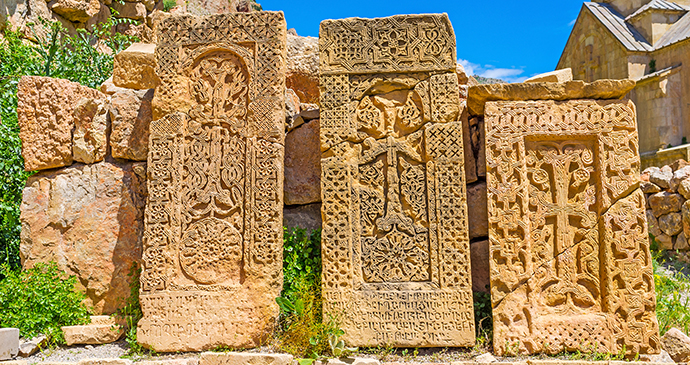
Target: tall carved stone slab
[[570, 261], [213, 225], [396, 260]]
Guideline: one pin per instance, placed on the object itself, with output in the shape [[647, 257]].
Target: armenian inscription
[[570, 262], [395, 240], [212, 259]]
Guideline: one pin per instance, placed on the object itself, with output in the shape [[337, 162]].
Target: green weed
[[40, 300], [672, 293]]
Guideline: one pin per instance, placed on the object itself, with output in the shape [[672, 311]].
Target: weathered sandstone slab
[[88, 219], [101, 330], [570, 259], [213, 227], [78, 11], [303, 165], [563, 75], [395, 237], [302, 73], [130, 116], [677, 344], [9, 343], [89, 136], [135, 67], [479, 95], [243, 358], [45, 110]]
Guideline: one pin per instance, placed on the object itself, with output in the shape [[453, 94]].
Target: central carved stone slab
[[570, 262], [395, 243], [212, 259]]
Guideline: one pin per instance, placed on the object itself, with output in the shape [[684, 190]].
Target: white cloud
[[572, 22], [506, 74]]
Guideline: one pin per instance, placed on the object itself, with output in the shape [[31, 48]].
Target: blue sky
[[511, 40]]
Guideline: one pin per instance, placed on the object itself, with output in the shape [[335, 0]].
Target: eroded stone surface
[[88, 219], [213, 230], [243, 358], [135, 67], [130, 116], [580, 272], [45, 110], [101, 330], [563, 75], [395, 237], [9, 343], [303, 165], [677, 344], [303, 67], [91, 124], [479, 95]]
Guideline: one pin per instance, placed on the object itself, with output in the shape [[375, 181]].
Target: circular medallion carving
[[211, 251]]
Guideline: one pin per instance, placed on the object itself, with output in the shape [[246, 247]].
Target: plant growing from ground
[[85, 57], [483, 320], [303, 330], [131, 313], [672, 297], [40, 300]]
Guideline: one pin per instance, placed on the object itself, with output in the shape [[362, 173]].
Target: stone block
[[650, 187], [88, 219], [684, 188], [681, 243], [563, 75], [671, 223], [130, 10], [32, 346], [215, 161], [135, 67], [9, 343], [45, 110], [349, 361], [653, 224], [89, 136], [478, 220], [130, 116], [560, 208], [92, 334], [192, 361], [677, 344], [392, 166], [303, 165], [479, 95], [244, 358], [96, 361], [480, 266], [302, 216], [664, 202], [662, 177]]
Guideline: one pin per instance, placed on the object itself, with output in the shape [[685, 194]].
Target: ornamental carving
[[394, 241], [570, 262], [212, 259]]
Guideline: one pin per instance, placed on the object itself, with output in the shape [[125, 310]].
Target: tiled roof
[[615, 23], [657, 5]]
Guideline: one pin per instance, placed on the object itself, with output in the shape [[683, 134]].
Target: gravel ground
[[76, 353]]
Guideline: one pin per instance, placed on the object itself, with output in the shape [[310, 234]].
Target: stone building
[[646, 41]]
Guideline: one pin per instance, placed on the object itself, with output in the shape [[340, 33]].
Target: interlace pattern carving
[[564, 276], [213, 238], [394, 240]]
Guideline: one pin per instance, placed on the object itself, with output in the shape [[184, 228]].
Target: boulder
[[662, 177], [684, 188], [135, 67], [303, 165], [479, 256], [679, 164], [130, 116], [45, 110], [9, 343], [665, 202], [679, 176], [77, 11], [89, 138], [563, 75], [479, 95], [302, 216], [478, 217], [681, 243], [665, 241], [134, 11], [671, 224], [292, 108], [649, 187], [653, 224], [302, 74], [677, 344], [685, 212], [88, 219]]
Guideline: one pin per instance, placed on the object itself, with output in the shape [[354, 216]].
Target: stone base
[[103, 329], [9, 343]]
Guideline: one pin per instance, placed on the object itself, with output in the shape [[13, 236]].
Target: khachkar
[[213, 224], [570, 261], [395, 242]]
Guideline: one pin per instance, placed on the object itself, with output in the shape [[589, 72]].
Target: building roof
[[657, 5], [615, 23], [679, 31]]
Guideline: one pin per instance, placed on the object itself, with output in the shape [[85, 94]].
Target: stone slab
[[395, 240], [212, 259], [244, 358], [92, 334], [45, 110], [302, 216], [130, 116], [479, 95], [563, 75], [9, 343], [570, 260], [303, 165]]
